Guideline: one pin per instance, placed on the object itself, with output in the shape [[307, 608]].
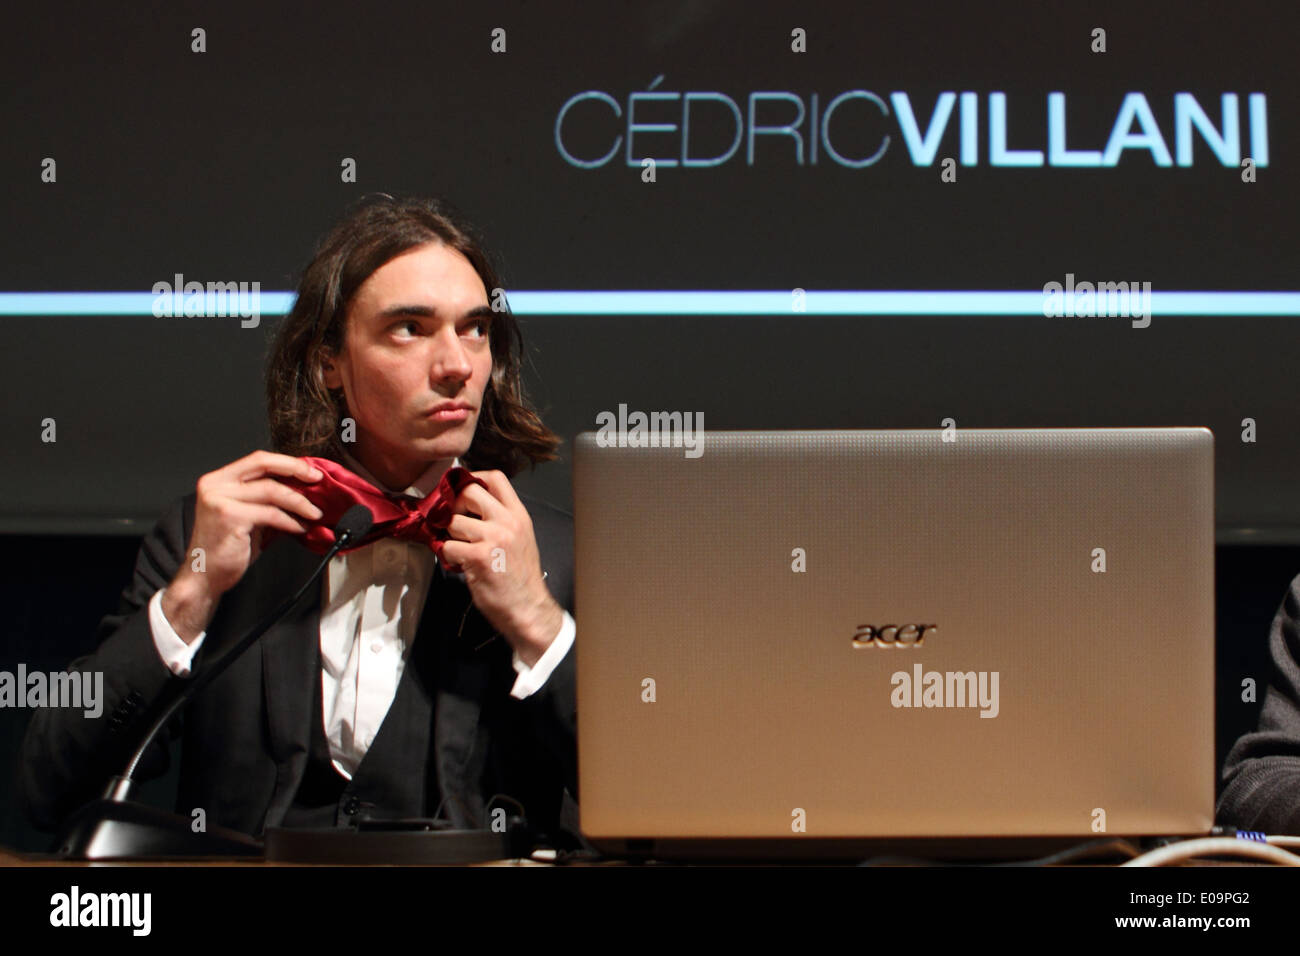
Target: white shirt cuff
[[176, 655], [531, 679]]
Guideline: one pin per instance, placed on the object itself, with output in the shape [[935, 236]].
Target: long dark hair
[[305, 416]]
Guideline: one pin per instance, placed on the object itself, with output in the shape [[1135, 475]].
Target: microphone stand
[[117, 827]]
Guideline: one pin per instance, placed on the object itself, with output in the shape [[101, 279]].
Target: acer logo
[[892, 635]]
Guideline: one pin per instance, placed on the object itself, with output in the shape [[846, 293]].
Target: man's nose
[[450, 361]]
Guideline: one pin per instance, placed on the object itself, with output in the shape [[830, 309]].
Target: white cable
[[1215, 846]]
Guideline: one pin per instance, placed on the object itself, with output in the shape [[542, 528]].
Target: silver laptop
[[802, 638]]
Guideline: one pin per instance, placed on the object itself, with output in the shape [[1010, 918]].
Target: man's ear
[[329, 371]]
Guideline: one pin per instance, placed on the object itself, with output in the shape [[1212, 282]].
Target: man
[[400, 687], [1261, 775]]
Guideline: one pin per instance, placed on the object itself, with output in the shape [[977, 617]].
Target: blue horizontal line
[[780, 302], [121, 303], [817, 302]]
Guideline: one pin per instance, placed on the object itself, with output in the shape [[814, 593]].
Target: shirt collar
[[422, 485]]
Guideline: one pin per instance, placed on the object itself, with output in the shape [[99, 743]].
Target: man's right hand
[[233, 504]]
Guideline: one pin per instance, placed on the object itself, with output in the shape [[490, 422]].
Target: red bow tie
[[399, 516]]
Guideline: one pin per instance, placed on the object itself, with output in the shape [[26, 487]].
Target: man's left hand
[[492, 540]]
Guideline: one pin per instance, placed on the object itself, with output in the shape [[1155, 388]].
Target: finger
[[500, 487], [270, 491], [261, 463], [464, 528], [269, 516], [455, 554], [480, 501]]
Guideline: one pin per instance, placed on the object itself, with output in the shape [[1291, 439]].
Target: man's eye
[[408, 324], [480, 328]]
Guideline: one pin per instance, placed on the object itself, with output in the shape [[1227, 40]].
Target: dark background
[[225, 165]]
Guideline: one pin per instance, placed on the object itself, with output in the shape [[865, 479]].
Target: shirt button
[[376, 647]]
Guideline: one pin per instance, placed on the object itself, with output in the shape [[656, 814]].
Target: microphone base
[[388, 847], [114, 830]]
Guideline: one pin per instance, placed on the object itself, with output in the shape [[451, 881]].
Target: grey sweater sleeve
[[1262, 773]]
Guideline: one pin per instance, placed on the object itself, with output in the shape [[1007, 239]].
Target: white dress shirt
[[371, 600]]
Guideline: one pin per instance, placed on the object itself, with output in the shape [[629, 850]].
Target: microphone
[[354, 525], [114, 827]]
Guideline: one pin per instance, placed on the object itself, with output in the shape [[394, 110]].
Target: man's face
[[415, 339]]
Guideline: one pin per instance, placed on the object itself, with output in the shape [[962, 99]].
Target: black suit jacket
[[1261, 774], [246, 736]]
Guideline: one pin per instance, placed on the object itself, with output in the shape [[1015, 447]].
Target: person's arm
[[530, 679], [1262, 772], [555, 718], [66, 756], [176, 653], [552, 714]]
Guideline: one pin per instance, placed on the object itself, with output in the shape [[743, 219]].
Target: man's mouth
[[450, 412]]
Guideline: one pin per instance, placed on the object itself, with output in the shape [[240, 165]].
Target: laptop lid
[[896, 634]]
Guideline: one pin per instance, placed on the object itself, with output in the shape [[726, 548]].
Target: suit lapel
[[463, 640], [290, 663]]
